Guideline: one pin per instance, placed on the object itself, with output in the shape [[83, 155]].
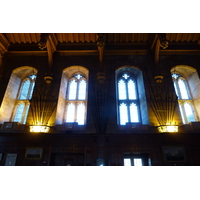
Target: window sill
[[133, 127], [70, 127]]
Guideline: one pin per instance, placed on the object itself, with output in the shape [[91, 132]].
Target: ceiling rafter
[[4, 43]]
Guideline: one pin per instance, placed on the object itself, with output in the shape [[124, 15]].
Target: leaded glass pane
[[127, 162], [175, 86], [183, 90], [175, 76], [82, 90], [80, 113], [78, 76], [72, 90], [134, 113], [26, 114], [131, 90], [137, 161], [24, 90], [70, 112], [32, 77], [123, 114], [19, 113], [182, 116], [31, 90], [125, 76], [122, 89], [189, 113]]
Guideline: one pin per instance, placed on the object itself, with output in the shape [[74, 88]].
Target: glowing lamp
[[168, 129], [39, 129]]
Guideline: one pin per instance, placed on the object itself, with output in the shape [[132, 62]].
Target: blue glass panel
[[183, 90], [24, 90], [189, 113], [26, 114], [31, 90], [19, 113]]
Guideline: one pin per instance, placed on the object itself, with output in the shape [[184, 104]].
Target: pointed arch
[[187, 85], [73, 90], [18, 93], [131, 97]]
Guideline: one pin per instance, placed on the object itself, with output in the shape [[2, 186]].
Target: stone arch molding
[[184, 70], [70, 71]]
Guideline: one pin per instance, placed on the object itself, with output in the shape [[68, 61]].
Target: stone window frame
[[67, 74], [142, 101], [186, 73], [9, 101]]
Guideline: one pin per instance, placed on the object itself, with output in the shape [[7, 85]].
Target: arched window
[[72, 101], [128, 104], [76, 99], [15, 104], [23, 103], [183, 78], [131, 99]]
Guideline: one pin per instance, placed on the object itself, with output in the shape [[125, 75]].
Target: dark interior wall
[[84, 148], [56, 148]]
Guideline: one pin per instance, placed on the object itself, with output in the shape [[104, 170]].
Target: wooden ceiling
[[23, 38]]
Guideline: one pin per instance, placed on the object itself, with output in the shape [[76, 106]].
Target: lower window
[[136, 160]]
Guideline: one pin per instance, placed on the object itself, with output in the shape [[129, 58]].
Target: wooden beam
[[4, 44], [49, 51], [53, 41]]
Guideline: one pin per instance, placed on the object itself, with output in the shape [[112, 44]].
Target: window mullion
[[178, 90], [184, 113], [77, 101], [128, 102]]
